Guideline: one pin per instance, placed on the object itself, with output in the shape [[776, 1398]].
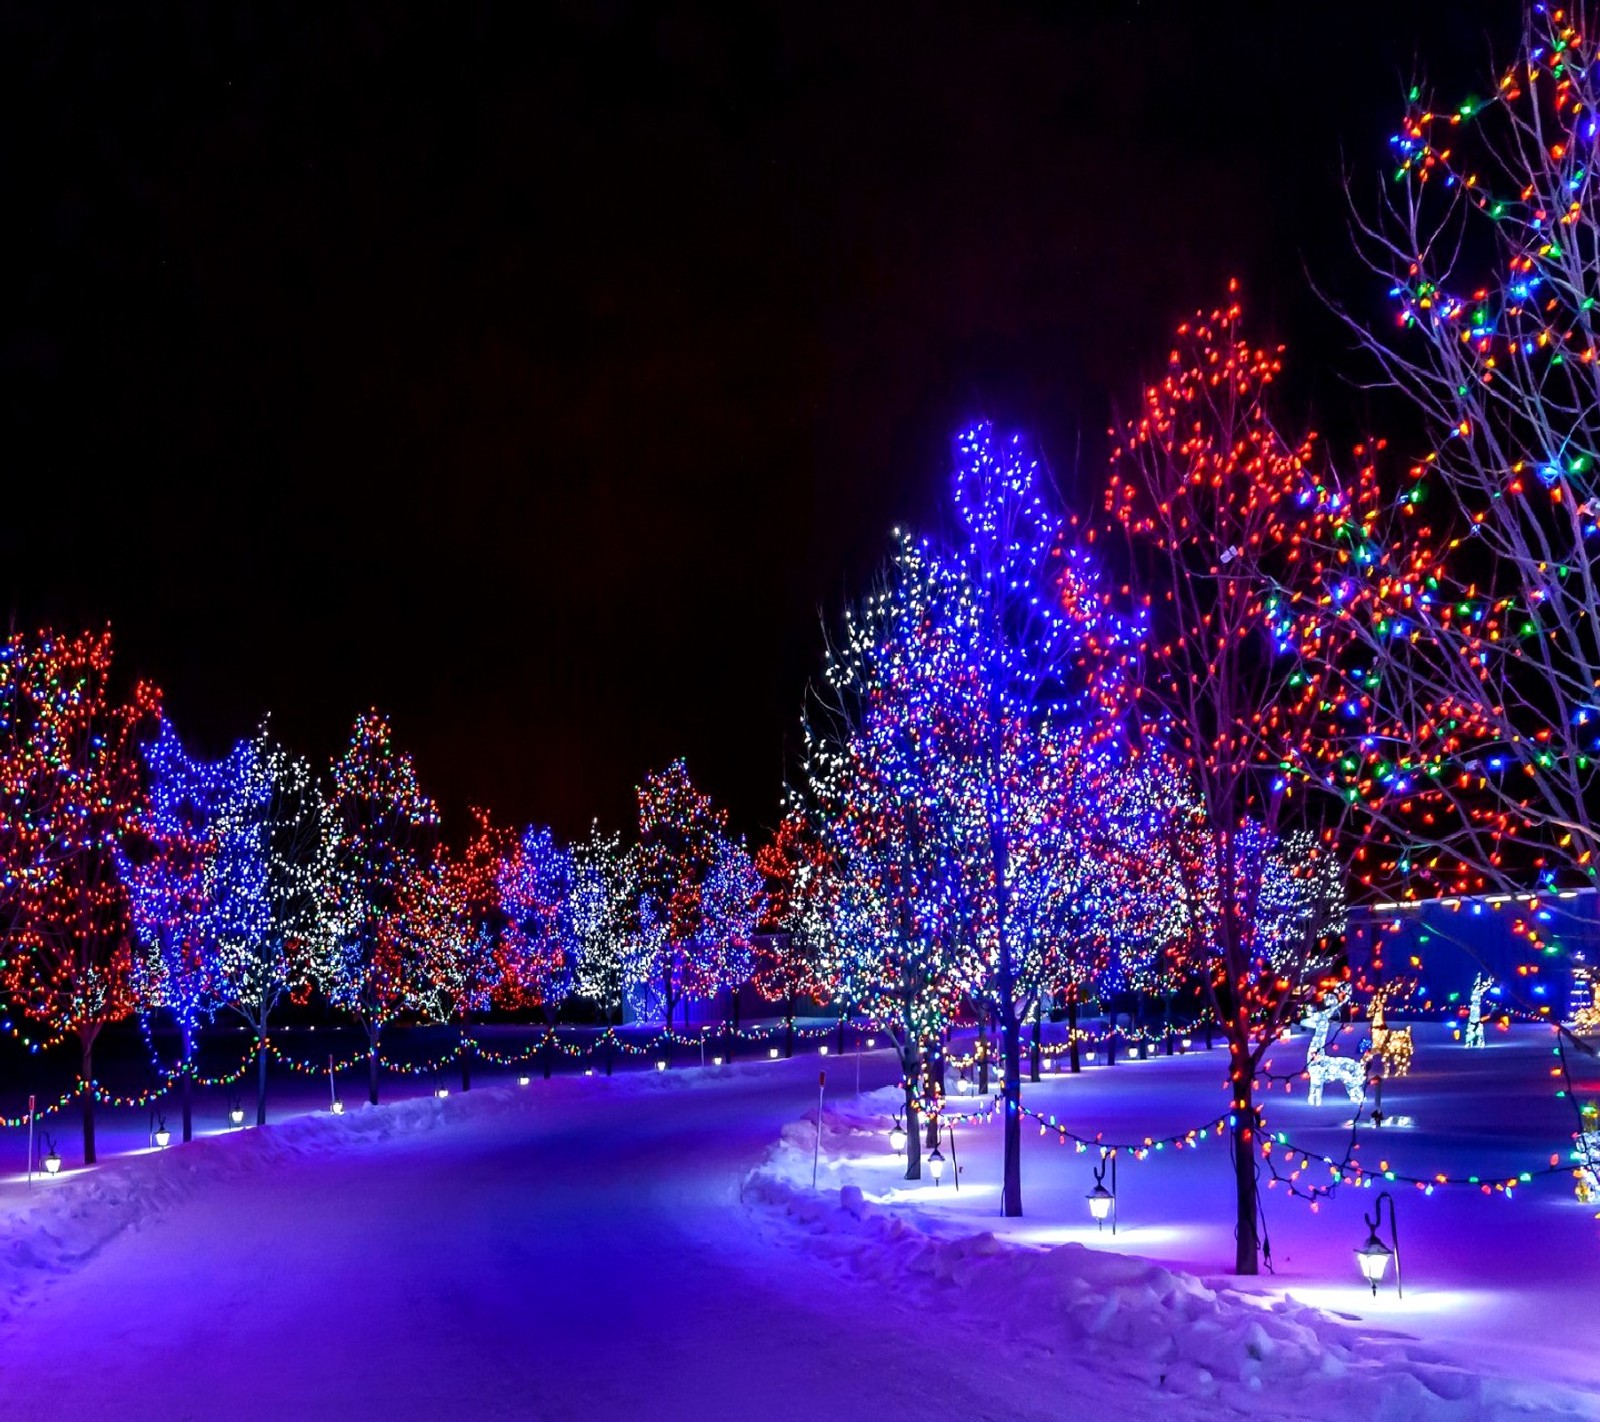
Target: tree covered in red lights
[[71, 788], [1226, 520], [789, 964]]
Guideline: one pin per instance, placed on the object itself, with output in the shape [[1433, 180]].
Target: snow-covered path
[[579, 1249], [569, 1252]]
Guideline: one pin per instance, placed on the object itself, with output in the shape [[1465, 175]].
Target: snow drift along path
[[581, 1249]]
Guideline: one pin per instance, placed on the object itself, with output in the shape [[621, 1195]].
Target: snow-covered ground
[[641, 1246]]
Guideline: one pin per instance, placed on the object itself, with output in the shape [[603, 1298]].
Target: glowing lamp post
[[523, 1080], [1373, 1257], [236, 1116], [936, 1165], [897, 1137], [52, 1162], [1103, 1202]]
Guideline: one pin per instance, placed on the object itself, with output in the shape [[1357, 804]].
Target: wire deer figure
[[1323, 1067], [1480, 985]]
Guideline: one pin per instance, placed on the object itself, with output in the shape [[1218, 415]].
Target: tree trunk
[[982, 1050], [842, 1016], [1038, 1044], [1072, 1027], [788, 1032], [1111, 1039], [611, 1042], [1011, 1112], [934, 1090], [544, 1051], [186, 1097], [1247, 1254], [910, 1067], [261, 1079], [464, 1051], [372, 1069], [733, 1004], [89, 1156]]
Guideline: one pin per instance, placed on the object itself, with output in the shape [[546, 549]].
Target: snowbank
[[1158, 1328]]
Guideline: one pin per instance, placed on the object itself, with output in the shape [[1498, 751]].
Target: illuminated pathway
[[585, 1258], [579, 1250]]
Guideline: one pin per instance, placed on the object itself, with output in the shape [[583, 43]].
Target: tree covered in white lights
[[378, 831]]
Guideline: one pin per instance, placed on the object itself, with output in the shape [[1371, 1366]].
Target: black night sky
[[539, 372]]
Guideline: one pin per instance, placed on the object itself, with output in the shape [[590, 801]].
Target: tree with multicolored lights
[[71, 789], [1478, 600], [690, 922], [1226, 522], [449, 931], [265, 885], [165, 866], [379, 830], [788, 962], [882, 740], [540, 948]]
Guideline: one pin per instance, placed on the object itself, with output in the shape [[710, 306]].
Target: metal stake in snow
[[30, 1139], [333, 1086], [816, 1149]]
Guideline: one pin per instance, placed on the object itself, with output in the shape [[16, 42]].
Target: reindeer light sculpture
[[1480, 985], [1391, 1051], [1322, 1067]]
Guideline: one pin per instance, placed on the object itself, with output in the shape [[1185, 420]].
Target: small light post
[[936, 1166], [159, 1133], [1373, 1257], [897, 1137], [1103, 1202], [52, 1158]]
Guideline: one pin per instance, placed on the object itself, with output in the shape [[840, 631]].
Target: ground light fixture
[[661, 1065], [161, 1135], [772, 1053], [52, 1159], [822, 1051], [936, 1165], [338, 1107], [523, 1080], [716, 1061], [236, 1115], [1373, 1257], [1103, 1202], [897, 1137]]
